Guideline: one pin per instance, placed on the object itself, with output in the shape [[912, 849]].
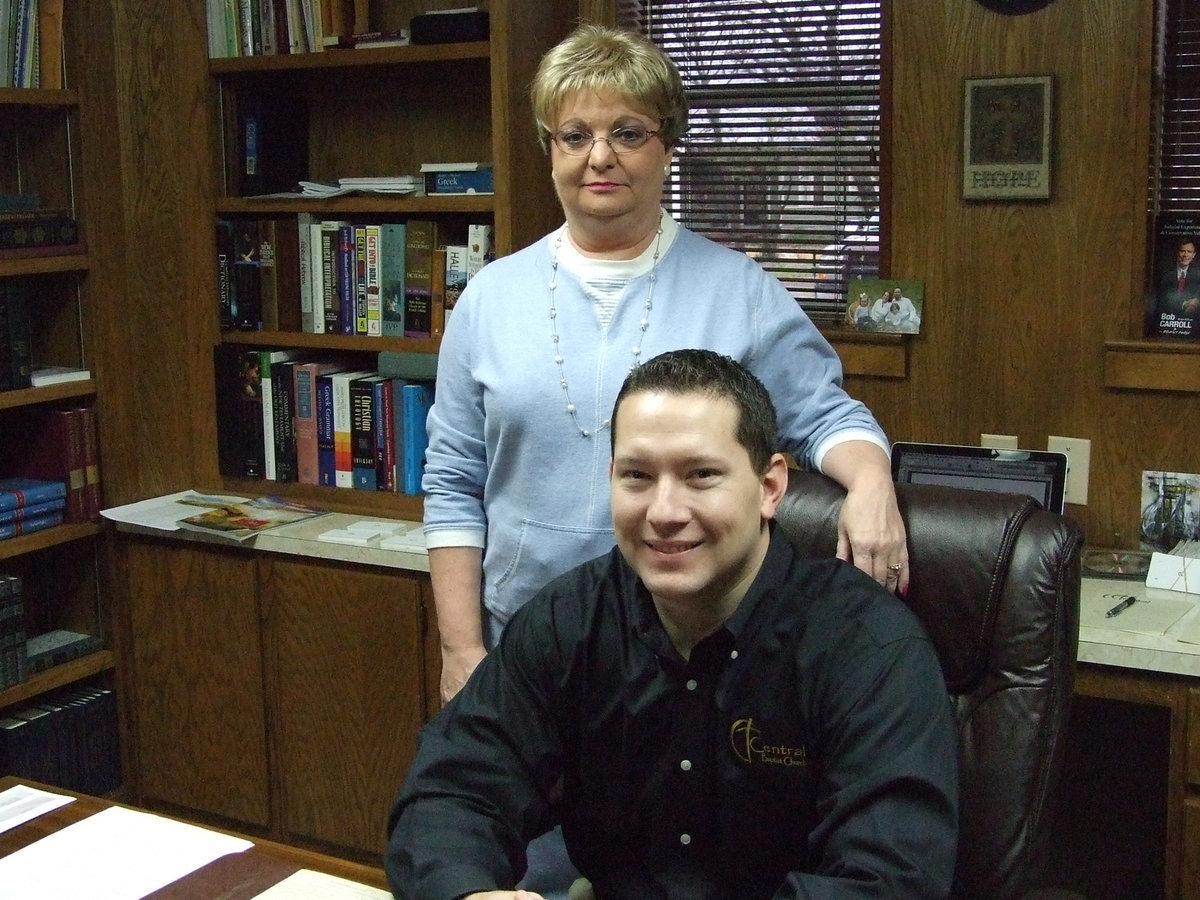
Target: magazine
[[1173, 292], [232, 517]]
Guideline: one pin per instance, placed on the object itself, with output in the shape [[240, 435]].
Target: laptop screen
[[1041, 474]]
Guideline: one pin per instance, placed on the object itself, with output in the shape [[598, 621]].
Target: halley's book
[[392, 239], [18, 491], [456, 277], [1173, 294]]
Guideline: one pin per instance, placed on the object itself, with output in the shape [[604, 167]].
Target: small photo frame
[[885, 305], [1007, 125]]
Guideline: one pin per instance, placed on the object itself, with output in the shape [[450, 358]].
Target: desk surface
[[238, 876], [1109, 642]]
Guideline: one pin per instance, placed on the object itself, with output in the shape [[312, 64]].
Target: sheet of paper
[[309, 885], [162, 513], [116, 854], [1153, 615], [20, 804]]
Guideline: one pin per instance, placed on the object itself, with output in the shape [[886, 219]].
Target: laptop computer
[[1042, 474]]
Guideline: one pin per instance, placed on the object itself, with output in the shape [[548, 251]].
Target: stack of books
[[458, 178], [30, 504]]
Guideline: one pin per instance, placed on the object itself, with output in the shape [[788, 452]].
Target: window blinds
[[781, 158]]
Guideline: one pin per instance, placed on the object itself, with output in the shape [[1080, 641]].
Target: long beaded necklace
[[643, 325]]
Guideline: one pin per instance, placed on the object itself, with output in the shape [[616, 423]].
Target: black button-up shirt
[[805, 749]]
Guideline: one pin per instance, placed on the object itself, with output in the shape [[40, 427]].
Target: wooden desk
[[1160, 671], [237, 876]]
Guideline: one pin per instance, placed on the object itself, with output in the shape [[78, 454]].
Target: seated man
[[706, 713]]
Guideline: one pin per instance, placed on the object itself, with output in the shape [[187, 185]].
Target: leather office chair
[[995, 580]]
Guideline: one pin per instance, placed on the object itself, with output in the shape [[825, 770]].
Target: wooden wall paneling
[[193, 675], [345, 670], [526, 207], [1020, 297]]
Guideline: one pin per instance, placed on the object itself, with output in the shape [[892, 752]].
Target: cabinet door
[[344, 666], [196, 679]]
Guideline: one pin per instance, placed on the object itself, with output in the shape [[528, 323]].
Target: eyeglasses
[[577, 142]]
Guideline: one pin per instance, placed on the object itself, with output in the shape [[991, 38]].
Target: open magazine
[[240, 519]]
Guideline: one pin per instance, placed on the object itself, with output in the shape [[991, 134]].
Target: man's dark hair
[[718, 376]]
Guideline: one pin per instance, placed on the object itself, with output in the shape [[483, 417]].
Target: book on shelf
[[393, 243], [268, 361], [305, 375], [19, 335], [43, 376], [283, 401], [416, 403], [53, 648], [93, 494], [18, 490], [479, 248], [225, 284], [43, 228], [272, 141], [30, 524], [456, 277], [347, 278], [50, 447], [35, 509], [238, 386], [279, 273], [372, 235], [363, 438], [422, 238], [327, 244], [371, 40], [342, 427], [478, 180], [14, 667], [242, 519], [385, 434], [437, 293], [305, 272], [360, 279]]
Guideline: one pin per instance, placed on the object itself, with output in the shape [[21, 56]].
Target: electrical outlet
[[998, 441], [1079, 459]]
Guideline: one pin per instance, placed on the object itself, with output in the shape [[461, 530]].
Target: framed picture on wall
[[1007, 131]]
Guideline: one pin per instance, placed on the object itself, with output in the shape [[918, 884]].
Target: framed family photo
[[1007, 137]]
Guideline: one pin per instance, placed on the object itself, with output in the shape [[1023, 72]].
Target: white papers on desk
[[21, 803], [309, 885], [1152, 615], [116, 854], [162, 513], [1178, 570]]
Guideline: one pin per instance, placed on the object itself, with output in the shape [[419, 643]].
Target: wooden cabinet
[[281, 693]]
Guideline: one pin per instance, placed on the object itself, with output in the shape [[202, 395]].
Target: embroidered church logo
[[751, 748]]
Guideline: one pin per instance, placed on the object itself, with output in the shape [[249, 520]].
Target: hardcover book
[[19, 491], [418, 399], [373, 236], [92, 494], [334, 437], [238, 387], [347, 278], [268, 360], [31, 524], [418, 278], [393, 246], [50, 447], [363, 439], [304, 381]]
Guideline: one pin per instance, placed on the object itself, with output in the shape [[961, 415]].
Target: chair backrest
[[995, 581]]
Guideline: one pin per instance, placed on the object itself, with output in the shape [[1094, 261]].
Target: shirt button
[[685, 839], [691, 684], [685, 765], [733, 654]]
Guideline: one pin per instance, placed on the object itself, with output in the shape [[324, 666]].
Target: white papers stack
[[381, 184], [1178, 570]]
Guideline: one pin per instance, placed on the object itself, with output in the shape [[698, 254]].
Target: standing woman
[[517, 466]]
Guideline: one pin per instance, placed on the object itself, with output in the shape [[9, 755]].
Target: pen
[[1121, 607]]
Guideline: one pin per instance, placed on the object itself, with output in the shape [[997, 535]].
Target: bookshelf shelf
[[49, 394], [352, 342], [38, 97], [44, 265], [58, 677], [363, 204], [1146, 365], [341, 59], [50, 537]]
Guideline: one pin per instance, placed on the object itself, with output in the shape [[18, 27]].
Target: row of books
[[264, 27], [287, 415], [50, 231], [68, 739], [55, 455], [16, 363], [31, 43], [376, 279]]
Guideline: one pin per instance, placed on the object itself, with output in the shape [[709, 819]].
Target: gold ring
[[895, 567]]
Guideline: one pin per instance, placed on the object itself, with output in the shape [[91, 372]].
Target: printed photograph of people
[[875, 304]]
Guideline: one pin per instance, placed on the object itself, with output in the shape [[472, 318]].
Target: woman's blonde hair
[[598, 58]]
